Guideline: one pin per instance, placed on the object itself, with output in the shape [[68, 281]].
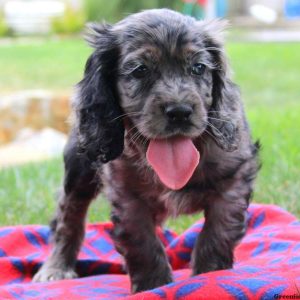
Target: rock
[[32, 146], [35, 109]]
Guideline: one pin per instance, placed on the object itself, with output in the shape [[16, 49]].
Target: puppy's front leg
[[81, 185], [135, 238], [224, 227]]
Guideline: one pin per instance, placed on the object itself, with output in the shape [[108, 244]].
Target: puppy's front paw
[[211, 265], [149, 283], [46, 274]]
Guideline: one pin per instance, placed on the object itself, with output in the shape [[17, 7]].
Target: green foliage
[[113, 11], [101, 10], [71, 22], [4, 29]]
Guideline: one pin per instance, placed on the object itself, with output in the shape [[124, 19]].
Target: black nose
[[178, 112]]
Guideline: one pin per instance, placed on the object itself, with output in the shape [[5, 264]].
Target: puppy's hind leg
[[81, 185]]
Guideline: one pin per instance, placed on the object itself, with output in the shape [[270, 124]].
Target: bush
[[113, 11], [71, 22], [4, 29]]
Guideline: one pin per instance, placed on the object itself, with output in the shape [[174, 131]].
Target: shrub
[[4, 29], [115, 10], [71, 22]]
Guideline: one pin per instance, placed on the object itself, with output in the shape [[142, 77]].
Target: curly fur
[[116, 116]]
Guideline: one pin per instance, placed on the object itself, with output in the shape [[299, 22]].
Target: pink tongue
[[174, 160]]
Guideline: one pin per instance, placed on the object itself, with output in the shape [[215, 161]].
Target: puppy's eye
[[140, 72], [198, 69]]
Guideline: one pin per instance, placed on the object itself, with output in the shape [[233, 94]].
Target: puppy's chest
[[136, 177]]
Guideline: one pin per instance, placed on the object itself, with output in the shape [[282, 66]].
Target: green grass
[[44, 63], [267, 74], [269, 78], [27, 194]]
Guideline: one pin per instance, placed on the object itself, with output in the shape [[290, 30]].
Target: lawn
[[50, 63], [269, 78]]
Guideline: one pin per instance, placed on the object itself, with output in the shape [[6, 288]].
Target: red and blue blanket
[[267, 264]]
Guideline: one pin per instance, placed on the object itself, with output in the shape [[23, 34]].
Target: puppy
[[160, 129]]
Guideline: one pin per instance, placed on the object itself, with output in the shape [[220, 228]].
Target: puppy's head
[[165, 73]]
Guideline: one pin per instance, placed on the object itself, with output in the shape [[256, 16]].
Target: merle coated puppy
[[160, 129]]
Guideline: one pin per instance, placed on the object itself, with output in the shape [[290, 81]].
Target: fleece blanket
[[267, 263]]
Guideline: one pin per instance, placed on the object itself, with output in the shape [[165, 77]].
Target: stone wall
[[33, 109]]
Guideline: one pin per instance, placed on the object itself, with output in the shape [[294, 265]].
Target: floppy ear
[[99, 125], [225, 112]]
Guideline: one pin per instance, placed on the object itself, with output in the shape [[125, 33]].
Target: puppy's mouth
[[173, 159]]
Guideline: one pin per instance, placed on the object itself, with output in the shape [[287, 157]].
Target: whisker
[[218, 119], [222, 135], [127, 115], [136, 137], [134, 127], [206, 131]]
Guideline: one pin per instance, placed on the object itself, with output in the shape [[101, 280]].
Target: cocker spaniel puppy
[[160, 129]]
